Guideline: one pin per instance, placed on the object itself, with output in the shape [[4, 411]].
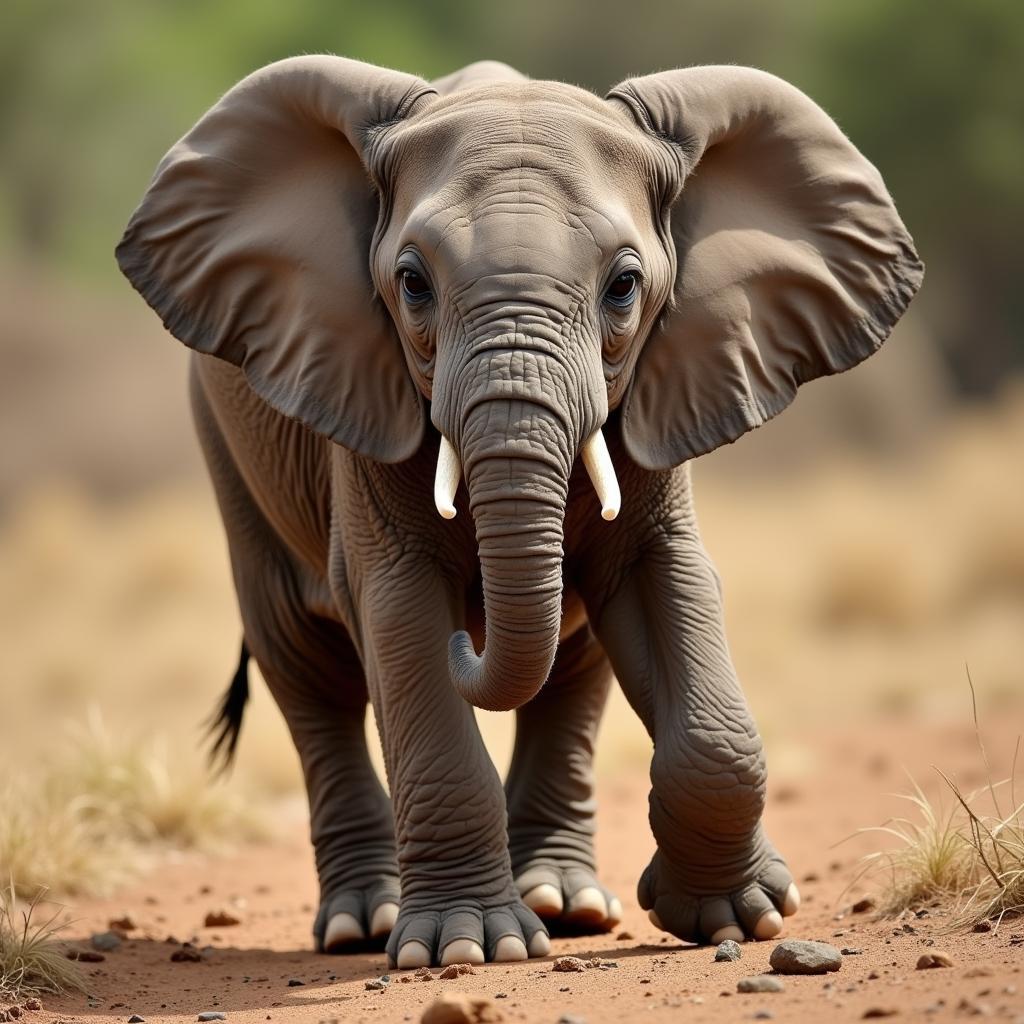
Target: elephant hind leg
[[316, 678]]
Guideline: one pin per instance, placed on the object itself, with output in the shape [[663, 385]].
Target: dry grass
[[100, 811], [32, 959], [966, 854]]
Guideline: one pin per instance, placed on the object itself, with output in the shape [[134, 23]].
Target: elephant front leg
[[459, 902], [715, 875], [550, 792]]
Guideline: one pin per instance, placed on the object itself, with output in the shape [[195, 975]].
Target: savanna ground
[[859, 583]]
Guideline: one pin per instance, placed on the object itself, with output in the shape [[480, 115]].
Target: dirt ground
[[246, 969]]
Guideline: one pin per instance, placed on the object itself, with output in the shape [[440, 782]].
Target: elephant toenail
[[614, 911], [413, 954], [540, 944], [769, 924], [383, 919], [544, 899], [509, 948], [589, 902], [730, 931], [791, 904], [462, 951], [341, 930], [655, 920]]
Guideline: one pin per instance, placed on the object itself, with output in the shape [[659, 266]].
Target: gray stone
[[209, 1015], [797, 956], [378, 984], [105, 942], [728, 951], [295, 982], [760, 983], [136, 1019]]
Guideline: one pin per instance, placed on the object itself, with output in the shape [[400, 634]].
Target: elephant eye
[[622, 291], [414, 286]]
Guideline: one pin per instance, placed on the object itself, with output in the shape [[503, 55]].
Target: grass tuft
[[968, 858], [32, 959], [93, 817]]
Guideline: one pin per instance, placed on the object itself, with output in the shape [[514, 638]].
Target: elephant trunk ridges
[[519, 436]]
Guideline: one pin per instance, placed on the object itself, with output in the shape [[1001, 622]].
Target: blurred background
[[871, 541]]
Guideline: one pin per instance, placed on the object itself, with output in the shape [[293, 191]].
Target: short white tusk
[[602, 475], [446, 479]]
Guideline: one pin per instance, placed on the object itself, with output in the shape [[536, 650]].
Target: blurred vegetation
[[92, 94]]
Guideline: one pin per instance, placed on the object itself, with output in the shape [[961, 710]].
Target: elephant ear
[[252, 244], [792, 262]]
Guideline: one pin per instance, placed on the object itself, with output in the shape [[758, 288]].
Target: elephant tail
[[224, 725]]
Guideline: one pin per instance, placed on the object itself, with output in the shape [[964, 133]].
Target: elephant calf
[[585, 294]]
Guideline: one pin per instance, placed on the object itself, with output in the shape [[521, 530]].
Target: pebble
[[936, 958], [423, 974], [982, 926], [797, 956], [621, 937], [572, 1018], [760, 983], [136, 1019], [105, 942], [874, 1012], [862, 906], [188, 954], [85, 956], [728, 951], [851, 951], [378, 984], [456, 1008], [220, 919], [208, 1015], [33, 1004], [764, 1015], [295, 982], [454, 970], [569, 963]]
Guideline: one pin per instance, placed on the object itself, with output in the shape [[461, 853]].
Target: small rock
[[378, 984], [936, 958], [982, 926], [105, 942], [455, 1008], [220, 919], [208, 1015], [862, 906], [621, 937], [85, 956], [14, 1012], [188, 954], [423, 974], [295, 982], [797, 956], [760, 983], [728, 951], [454, 970], [874, 1012], [851, 951], [124, 923], [572, 1018], [33, 1004], [136, 1019], [569, 963], [812, 876], [764, 1015]]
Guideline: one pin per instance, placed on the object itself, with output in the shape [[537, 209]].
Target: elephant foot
[[353, 920], [745, 903], [449, 931], [568, 898]]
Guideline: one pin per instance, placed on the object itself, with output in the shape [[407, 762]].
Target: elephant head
[[524, 257]]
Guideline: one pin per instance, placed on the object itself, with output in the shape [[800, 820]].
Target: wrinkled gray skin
[[517, 204]]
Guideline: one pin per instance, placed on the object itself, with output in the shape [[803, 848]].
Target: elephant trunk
[[517, 489]]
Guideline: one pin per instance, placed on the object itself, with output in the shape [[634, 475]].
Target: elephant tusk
[[446, 479], [602, 475]]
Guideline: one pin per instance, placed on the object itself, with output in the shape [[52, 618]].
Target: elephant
[[505, 295]]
